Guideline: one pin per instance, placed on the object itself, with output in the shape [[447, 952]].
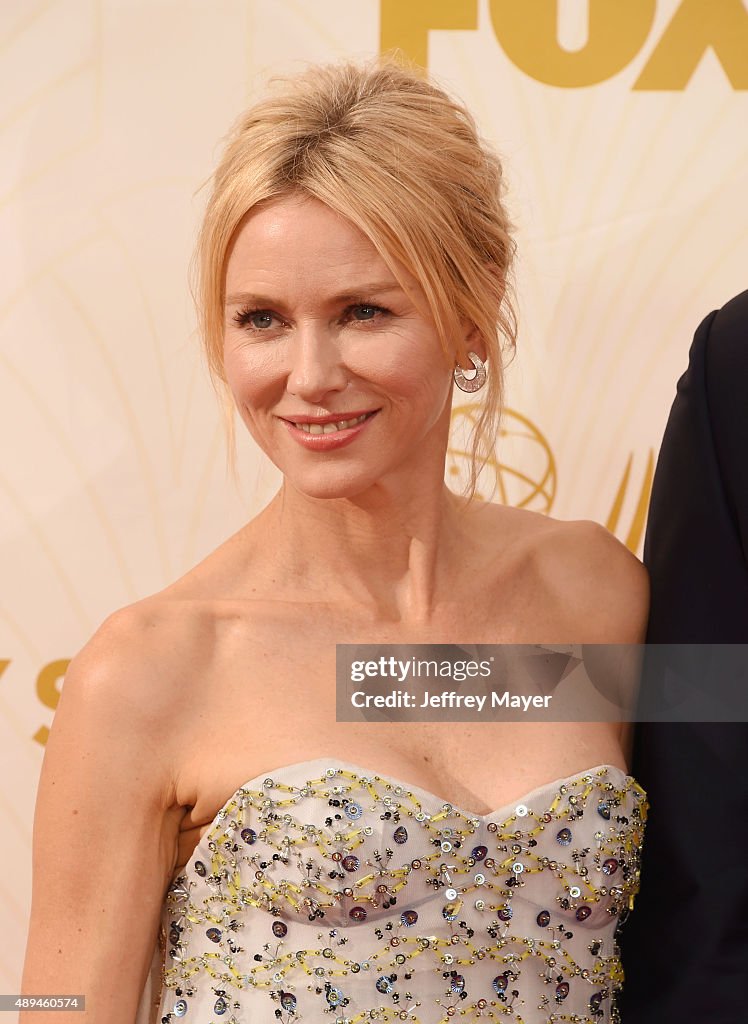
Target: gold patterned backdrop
[[624, 132]]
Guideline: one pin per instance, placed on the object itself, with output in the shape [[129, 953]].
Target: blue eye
[[363, 312], [261, 320], [257, 319]]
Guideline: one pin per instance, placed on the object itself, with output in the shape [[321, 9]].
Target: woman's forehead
[[301, 220], [301, 239]]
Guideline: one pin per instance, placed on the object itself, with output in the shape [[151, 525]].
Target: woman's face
[[339, 377]]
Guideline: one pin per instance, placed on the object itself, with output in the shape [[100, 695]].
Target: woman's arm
[[106, 824]]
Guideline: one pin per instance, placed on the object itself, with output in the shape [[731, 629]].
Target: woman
[[353, 266]]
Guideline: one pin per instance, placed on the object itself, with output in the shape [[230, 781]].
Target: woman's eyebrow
[[369, 288], [250, 298]]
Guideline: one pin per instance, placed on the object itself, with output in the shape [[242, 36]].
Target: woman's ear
[[473, 342]]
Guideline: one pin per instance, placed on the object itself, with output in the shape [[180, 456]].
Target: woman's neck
[[394, 556]]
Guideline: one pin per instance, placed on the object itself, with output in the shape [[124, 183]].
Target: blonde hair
[[404, 162]]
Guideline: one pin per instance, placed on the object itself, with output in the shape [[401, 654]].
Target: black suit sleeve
[[685, 947]]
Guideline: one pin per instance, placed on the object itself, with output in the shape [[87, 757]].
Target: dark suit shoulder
[[727, 348], [696, 544]]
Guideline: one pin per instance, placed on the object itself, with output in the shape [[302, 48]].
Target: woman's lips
[[334, 438]]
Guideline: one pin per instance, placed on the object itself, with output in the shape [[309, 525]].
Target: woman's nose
[[316, 366]]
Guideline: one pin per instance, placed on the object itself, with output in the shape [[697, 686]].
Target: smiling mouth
[[332, 428]]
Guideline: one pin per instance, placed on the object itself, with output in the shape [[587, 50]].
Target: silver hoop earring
[[474, 383]]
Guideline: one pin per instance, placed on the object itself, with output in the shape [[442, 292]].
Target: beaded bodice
[[327, 892]]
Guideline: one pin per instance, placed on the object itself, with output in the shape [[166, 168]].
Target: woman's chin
[[334, 486]]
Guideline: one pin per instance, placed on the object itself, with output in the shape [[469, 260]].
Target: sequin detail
[[350, 897]]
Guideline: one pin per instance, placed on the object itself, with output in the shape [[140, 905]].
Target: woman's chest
[[270, 701]]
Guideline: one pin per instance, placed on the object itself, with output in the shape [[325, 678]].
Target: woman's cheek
[[248, 374]]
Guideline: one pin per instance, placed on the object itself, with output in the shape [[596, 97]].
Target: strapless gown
[[326, 893]]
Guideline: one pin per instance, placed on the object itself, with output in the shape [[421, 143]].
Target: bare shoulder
[[138, 673], [156, 654], [137, 651], [602, 584], [582, 581]]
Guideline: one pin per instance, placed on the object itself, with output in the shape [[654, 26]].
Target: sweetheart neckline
[[419, 791]]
